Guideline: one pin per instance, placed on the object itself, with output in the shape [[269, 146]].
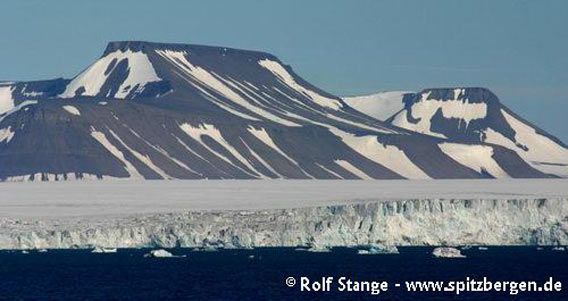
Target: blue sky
[[519, 49]]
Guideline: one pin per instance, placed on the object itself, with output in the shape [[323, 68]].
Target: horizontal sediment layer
[[401, 223]]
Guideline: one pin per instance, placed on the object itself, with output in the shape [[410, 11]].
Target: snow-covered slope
[[543, 151], [167, 111], [13, 94], [473, 115], [6, 99], [381, 106], [118, 74]]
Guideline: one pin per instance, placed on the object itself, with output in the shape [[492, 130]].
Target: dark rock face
[[156, 111], [36, 89], [453, 127]]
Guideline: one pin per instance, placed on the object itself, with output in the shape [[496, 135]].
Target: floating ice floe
[[103, 250], [559, 249], [318, 249], [206, 249], [161, 253], [447, 252], [378, 249], [483, 248], [209, 249]]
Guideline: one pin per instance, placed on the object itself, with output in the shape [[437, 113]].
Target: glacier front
[[505, 216]]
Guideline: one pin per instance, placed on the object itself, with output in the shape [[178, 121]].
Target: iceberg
[[103, 250], [374, 249], [319, 249], [447, 252], [161, 253]]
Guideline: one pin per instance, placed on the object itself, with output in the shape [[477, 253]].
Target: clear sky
[[518, 49]]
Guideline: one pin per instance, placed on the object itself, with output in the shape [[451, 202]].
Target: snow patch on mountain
[[423, 110], [476, 157], [281, 72], [89, 82], [201, 78], [101, 138], [263, 162], [388, 156], [164, 153], [145, 159], [381, 106], [448, 113], [359, 125], [263, 136], [72, 110], [353, 169], [6, 134], [6, 99], [22, 105], [205, 89], [544, 153], [31, 94], [197, 133]]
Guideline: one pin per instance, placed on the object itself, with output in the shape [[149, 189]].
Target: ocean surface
[[262, 274]]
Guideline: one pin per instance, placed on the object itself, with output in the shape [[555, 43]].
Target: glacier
[[239, 216]]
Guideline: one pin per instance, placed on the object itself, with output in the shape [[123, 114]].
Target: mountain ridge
[[168, 111], [472, 114]]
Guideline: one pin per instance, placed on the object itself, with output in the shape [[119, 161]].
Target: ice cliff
[[401, 223]]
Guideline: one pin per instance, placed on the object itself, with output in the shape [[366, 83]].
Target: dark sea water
[[260, 274]]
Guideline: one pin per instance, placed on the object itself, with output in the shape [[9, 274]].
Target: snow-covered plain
[[317, 214], [100, 198]]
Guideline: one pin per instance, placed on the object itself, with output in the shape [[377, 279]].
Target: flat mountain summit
[[174, 111]]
